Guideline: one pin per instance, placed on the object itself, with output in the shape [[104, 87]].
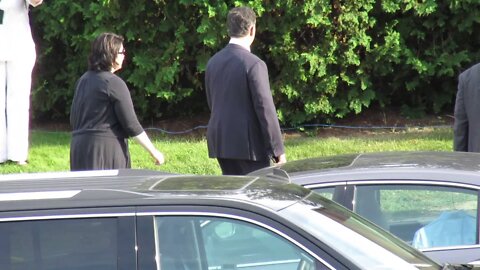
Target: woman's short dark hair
[[239, 20], [104, 51]]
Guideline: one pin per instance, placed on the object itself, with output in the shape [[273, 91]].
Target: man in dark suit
[[243, 130], [467, 111]]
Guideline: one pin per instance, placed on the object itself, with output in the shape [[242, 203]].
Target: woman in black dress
[[102, 114]]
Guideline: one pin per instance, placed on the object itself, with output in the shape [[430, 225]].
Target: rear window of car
[[79, 244]]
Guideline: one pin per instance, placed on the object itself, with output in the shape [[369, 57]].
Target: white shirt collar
[[240, 42]]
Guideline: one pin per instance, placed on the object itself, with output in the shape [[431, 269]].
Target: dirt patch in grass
[[369, 121], [380, 121]]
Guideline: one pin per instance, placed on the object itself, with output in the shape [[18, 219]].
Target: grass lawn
[[49, 151]]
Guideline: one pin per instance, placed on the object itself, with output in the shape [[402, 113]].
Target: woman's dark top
[[102, 118]]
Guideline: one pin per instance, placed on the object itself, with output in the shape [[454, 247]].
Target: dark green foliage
[[326, 58]]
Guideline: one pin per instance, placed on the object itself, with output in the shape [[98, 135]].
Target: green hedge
[[326, 58]]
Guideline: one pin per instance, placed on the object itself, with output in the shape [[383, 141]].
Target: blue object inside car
[[449, 229]]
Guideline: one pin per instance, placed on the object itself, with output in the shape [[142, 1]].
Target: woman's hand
[[143, 139], [282, 159], [158, 156]]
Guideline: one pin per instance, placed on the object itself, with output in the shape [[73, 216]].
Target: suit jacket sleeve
[[460, 127], [123, 106], [265, 108]]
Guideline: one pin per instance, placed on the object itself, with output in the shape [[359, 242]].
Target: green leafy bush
[[326, 59]]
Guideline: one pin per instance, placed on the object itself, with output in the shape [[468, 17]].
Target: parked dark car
[[428, 199], [145, 220]]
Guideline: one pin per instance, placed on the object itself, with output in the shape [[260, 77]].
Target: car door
[[441, 219], [202, 239]]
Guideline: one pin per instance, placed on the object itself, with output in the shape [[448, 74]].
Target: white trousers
[[15, 86]]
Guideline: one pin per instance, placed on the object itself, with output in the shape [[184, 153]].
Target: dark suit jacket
[[243, 122], [467, 111]]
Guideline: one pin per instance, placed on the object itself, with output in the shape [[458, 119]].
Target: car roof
[[458, 167], [141, 187]]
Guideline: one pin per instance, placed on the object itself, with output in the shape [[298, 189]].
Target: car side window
[[424, 216], [80, 244], [326, 192], [201, 243]]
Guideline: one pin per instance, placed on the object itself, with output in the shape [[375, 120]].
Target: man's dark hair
[[239, 20], [104, 51]]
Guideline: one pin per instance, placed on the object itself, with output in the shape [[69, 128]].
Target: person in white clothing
[[17, 59]]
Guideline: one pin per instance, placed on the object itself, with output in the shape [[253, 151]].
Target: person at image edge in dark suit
[[102, 114], [243, 131], [467, 111]]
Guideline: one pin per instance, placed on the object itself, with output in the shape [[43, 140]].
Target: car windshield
[[354, 237]]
